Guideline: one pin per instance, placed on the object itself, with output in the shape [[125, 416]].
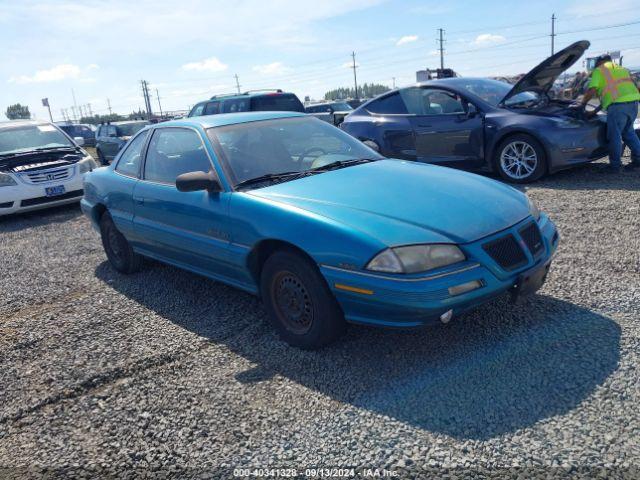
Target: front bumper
[[415, 300], [25, 197]]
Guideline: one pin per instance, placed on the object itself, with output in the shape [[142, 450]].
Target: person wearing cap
[[619, 96]]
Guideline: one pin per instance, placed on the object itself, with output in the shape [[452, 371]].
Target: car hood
[[400, 202], [541, 78]]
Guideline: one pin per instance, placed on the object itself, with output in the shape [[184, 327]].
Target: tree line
[[21, 112], [366, 90]]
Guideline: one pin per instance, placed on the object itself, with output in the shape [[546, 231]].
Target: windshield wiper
[[271, 176], [37, 150], [342, 163], [60, 149], [294, 175]]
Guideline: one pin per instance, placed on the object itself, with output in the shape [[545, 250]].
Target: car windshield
[[31, 137], [493, 91], [287, 145], [129, 129], [276, 102]]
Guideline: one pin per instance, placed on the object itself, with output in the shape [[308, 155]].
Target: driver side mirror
[[197, 181], [79, 141], [472, 110]]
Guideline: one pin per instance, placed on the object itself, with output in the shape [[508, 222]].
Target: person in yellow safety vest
[[619, 96]]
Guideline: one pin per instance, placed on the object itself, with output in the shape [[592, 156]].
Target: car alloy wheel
[[292, 302], [518, 160]]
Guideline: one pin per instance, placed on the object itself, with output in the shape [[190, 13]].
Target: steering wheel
[[308, 153]]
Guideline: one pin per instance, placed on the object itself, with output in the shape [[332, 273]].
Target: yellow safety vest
[[618, 86]]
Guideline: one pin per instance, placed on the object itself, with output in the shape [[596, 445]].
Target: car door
[[446, 127], [185, 228], [120, 200], [111, 142]]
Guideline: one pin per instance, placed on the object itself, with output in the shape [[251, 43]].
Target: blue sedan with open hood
[[323, 228]]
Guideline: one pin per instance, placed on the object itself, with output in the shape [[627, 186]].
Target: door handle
[[138, 200]]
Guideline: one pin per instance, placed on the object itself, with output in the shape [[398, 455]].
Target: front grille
[[40, 200], [506, 252], [532, 238], [49, 175]]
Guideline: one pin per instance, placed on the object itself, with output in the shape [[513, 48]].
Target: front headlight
[[86, 165], [415, 258], [6, 180], [533, 209]]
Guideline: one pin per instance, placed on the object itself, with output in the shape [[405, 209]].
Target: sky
[[189, 50]]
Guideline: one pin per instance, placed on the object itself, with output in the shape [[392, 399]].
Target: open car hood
[[541, 78]]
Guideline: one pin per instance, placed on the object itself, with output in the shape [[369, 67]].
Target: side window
[[233, 106], [212, 108], [391, 104], [197, 110], [129, 162], [110, 131], [431, 101], [172, 152]]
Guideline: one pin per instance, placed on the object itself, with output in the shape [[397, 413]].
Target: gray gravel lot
[[165, 371]]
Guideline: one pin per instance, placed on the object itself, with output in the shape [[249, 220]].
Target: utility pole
[[160, 106], [147, 101], [73, 111], [109, 106], [237, 82], [355, 79], [89, 108], [75, 105], [394, 82], [553, 32], [441, 47]]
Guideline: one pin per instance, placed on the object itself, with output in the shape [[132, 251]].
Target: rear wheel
[[118, 250], [520, 159], [300, 305]]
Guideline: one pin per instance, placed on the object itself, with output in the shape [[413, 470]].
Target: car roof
[[248, 94], [223, 119], [19, 123]]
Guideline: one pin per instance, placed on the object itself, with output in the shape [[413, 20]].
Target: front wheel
[[118, 250], [300, 305], [520, 159]]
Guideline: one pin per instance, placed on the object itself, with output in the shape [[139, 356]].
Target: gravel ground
[[166, 372]]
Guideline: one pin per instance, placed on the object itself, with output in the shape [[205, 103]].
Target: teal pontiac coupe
[[324, 229]]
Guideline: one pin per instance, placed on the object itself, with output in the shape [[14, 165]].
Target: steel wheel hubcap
[[518, 160], [292, 302]]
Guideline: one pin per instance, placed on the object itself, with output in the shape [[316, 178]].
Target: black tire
[[510, 146], [300, 305], [101, 158], [118, 250]]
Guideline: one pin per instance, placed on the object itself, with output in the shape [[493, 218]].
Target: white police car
[[40, 166]]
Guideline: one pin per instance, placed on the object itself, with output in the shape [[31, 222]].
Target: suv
[[40, 166], [111, 137], [332, 112], [87, 132], [252, 101]]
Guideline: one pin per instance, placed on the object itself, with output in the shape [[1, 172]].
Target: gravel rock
[[169, 374]]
